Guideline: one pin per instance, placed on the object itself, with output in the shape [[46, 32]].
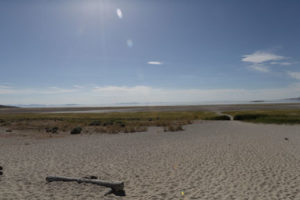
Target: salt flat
[[209, 160]]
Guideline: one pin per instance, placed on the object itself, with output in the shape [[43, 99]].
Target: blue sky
[[113, 51]]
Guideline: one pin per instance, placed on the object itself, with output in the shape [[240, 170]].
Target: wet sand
[[209, 160]]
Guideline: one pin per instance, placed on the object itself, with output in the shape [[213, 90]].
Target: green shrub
[[120, 123], [108, 123], [95, 123], [52, 130], [76, 130], [220, 117], [248, 117]]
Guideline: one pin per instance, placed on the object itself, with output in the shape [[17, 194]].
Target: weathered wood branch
[[115, 186]]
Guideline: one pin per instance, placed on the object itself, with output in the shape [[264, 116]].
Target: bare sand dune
[[209, 160]]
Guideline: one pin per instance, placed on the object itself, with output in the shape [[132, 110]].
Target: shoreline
[[212, 108]]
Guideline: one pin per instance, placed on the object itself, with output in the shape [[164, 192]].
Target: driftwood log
[[116, 187]]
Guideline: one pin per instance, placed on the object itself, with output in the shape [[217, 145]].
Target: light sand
[[209, 160]]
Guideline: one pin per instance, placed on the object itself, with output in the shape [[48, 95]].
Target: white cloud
[[55, 90], [4, 89], [119, 94], [119, 13], [261, 61], [260, 68], [295, 75], [285, 63], [78, 86], [122, 89], [155, 63], [281, 63], [129, 43], [31, 91], [260, 57]]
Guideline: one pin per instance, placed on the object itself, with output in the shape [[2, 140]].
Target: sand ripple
[[210, 160]]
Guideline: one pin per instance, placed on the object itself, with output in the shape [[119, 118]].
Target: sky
[[115, 51]]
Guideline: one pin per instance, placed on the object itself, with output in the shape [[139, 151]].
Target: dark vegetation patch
[[3, 106], [249, 117], [220, 117], [52, 130], [95, 123], [268, 116], [76, 130]]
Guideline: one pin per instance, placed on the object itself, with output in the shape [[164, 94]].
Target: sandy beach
[[209, 160]]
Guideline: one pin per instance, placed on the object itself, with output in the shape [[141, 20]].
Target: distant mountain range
[[46, 105], [287, 100], [2, 106], [294, 99]]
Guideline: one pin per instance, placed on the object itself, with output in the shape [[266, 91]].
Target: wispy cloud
[[32, 91], [129, 43], [78, 86], [56, 90], [119, 13], [261, 60], [4, 89], [295, 75], [281, 63], [260, 68], [155, 63], [139, 93], [261, 57]]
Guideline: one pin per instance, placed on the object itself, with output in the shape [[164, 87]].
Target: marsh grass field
[[127, 122], [268, 116], [101, 122]]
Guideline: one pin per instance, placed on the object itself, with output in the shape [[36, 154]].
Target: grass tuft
[[173, 128]]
